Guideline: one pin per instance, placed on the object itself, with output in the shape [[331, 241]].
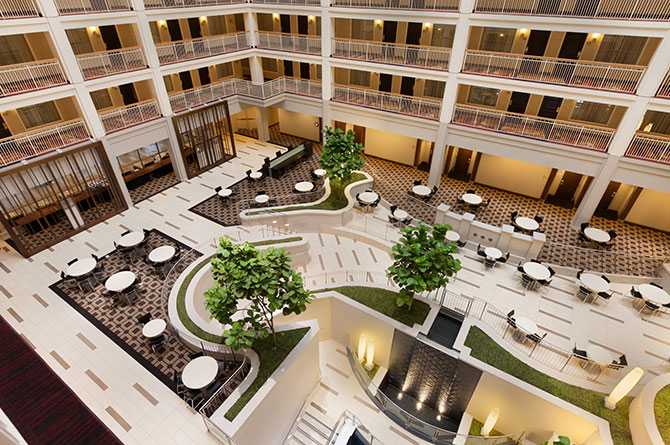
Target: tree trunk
[[411, 300]]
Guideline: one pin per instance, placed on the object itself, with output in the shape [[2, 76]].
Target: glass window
[[217, 25], [14, 49], [360, 78], [443, 36], [497, 39], [265, 22], [591, 112], [656, 122], [129, 162], [483, 96], [620, 49], [79, 40], [269, 64], [239, 22], [434, 88], [362, 29], [101, 99], [224, 70], [38, 115]]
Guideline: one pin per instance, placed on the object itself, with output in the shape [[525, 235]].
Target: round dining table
[[131, 239], [225, 193], [472, 199], [493, 253], [200, 372], [524, 326], [162, 254], [304, 186], [600, 354], [368, 197], [262, 199], [421, 190], [154, 328], [256, 175], [536, 271], [452, 236], [400, 214], [654, 294], [320, 172], [120, 281], [527, 224], [81, 267], [597, 235], [594, 282]]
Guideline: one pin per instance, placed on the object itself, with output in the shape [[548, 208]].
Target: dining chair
[[511, 322], [535, 260], [488, 262], [417, 182], [144, 319], [195, 355], [536, 339], [69, 282], [583, 226], [513, 216], [469, 192], [71, 262], [656, 285], [538, 219], [125, 233], [504, 259], [159, 342]]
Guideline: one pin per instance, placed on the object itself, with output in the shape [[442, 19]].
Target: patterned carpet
[[153, 187], [39, 404], [281, 190], [393, 181], [120, 322]]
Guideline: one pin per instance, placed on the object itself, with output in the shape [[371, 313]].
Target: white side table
[[200, 372]]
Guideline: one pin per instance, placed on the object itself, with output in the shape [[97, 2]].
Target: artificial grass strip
[[484, 348], [270, 359], [384, 301], [662, 412]]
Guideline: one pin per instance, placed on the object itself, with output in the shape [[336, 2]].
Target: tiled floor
[[153, 187]]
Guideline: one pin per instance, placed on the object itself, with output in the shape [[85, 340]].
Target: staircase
[[310, 428]]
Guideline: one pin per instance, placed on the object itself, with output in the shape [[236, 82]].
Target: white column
[[256, 70], [449, 99], [251, 26], [460, 43], [147, 41], [116, 171], [595, 191], [466, 6], [262, 124], [175, 153], [628, 126], [48, 8], [89, 113], [657, 69], [437, 161], [64, 51], [326, 71]]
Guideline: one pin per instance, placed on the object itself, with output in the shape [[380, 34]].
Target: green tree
[[249, 286], [341, 155], [422, 261]]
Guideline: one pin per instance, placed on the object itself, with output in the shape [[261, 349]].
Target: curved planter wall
[[642, 417]]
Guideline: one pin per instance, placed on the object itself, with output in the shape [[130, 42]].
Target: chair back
[[217, 189], [656, 285], [71, 262]]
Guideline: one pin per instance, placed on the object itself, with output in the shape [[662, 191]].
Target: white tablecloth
[[594, 282], [224, 193], [452, 236], [320, 172], [421, 190], [262, 199], [536, 271], [400, 214], [493, 253], [599, 354], [120, 281], [472, 199], [154, 328], [199, 372], [304, 186], [131, 239], [597, 235], [526, 223], [368, 197], [161, 254], [654, 294], [526, 325], [81, 267], [256, 175]]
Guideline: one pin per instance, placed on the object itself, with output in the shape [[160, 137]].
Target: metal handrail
[[664, 89], [107, 63], [130, 115], [190, 49], [649, 147], [70, 7], [31, 76], [613, 9], [432, 57], [18, 9], [422, 5], [298, 43], [396, 103], [159, 4], [225, 390]]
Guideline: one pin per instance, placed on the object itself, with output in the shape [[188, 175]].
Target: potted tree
[[262, 282], [341, 156], [422, 261]]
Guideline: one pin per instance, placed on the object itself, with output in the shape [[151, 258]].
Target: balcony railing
[[159, 4], [650, 147], [430, 5], [392, 53], [30, 76], [395, 103], [289, 42], [18, 9], [198, 96], [43, 140], [289, 2], [588, 74], [173, 52], [68, 7], [130, 115], [607, 9], [107, 63], [664, 89], [562, 132]]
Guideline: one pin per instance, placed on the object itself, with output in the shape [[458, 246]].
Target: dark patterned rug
[[153, 187]]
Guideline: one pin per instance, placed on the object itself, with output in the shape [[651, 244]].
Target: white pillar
[[64, 51], [89, 113], [262, 124], [628, 126], [437, 161], [256, 70], [460, 43], [178, 163], [449, 99], [326, 70], [116, 171], [251, 26], [595, 191], [656, 70]]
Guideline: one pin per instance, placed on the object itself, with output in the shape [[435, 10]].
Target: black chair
[[579, 273], [217, 189], [248, 174], [461, 243], [193, 398], [538, 219], [536, 340], [460, 202], [605, 278], [178, 382], [480, 251], [605, 296], [469, 192], [95, 257], [159, 342], [278, 153], [195, 355], [656, 285], [417, 182], [71, 262], [534, 260], [584, 292], [125, 233], [651, 306], [511, 322], [144, 319], [612, 234], [488, 262], [434, 190], [583, 238], [111, 297], [526, 280], [578, 353], [552, 272], [583, 226], [69, 282], [513, 216], [519, 268], [393, 220], [485, 204], [504, 259], [221, 366], [623, 361]]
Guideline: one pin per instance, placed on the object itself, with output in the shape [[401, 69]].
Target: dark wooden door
[[359, 134], [572, 45], [194, 27], [341, 125], [110, 37], [549, 107], [203, 73], [568, 186], [518, 102], [407, 86], [302, 24], [288, 68], [413, 33], [186, 81], [385, 82], [174, 30], [537, 42], [609, 195], [128, 93], [285, 21], [390, 30], [4, 130], [462, 164], [304, 70]]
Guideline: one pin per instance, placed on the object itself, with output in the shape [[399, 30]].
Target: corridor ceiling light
[[370, 356], [490, 421], [625, 385], [419, 405], [399, 396], [439, 417], [501, 35], [362, 343]]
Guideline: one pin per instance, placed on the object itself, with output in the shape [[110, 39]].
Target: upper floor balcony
[[18, 9], [425, 108], [43, 140], [591, 137], [30, 76], [107, 63], [425, 5], [160, 4], [580, 73], [289, 2], [173, 52], [650, 147], [71, 7], [118, 118], [605, 9], [664, 89], [294, 43], [431, 57]]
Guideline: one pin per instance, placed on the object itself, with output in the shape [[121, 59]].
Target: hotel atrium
[[329, 222]]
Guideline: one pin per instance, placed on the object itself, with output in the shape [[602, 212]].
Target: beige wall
[[511, 175], [40, 45], [651, 209], [390, 146], [300, 125]]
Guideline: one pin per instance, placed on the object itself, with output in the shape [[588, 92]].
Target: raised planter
[[642, 417]]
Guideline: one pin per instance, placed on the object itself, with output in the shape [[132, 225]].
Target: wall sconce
[[595, 36], [161, 23], [501, 35], [275, 16], [203, 18], [93, 29], [362, 343], [310, 18], [427, 25], [523, 33], [490, 421], [378, 22], [625, 385], [370, 356]]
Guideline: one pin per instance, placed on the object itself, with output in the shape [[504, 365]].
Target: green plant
[[422, 261], [562, 440], [662, 412], [341, 154], [260, 281]]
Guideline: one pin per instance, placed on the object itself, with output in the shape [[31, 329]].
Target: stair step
[[317, 425], [307, 436], [292, 440]]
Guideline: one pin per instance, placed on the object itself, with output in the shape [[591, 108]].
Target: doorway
[[4, 130], [304, 70], [128, 93], [194, 27], [413, 33], [549, 107], [573, 42], [518, 102], [385, 82], [462, 165], [537, 42], [203, 73], [565, 193], [110, 37], [407, 86], [285, 22], [174, 30], [186, 81], [288, 68], [390, 30], [603, 206], [302, 25], [341, 125], [359, 134]]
